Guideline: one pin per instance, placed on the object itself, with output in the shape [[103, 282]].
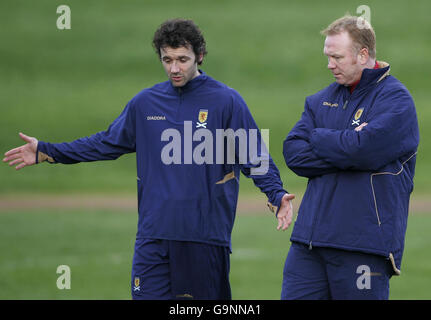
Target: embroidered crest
[[203, 116], [358, 113], [202, 119], [137, 284]]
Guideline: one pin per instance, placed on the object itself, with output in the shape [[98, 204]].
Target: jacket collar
[[373, 76], [189, 86]]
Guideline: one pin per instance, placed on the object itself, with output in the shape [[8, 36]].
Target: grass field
[[98, 247], [59, 85]]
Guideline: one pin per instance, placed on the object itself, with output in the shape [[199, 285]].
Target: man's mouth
[[176, 78]]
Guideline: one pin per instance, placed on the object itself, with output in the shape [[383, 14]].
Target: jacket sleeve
[[298, 152], [117, 140], [392, 131], [257, 163]]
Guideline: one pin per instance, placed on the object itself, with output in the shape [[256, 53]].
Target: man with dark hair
[[180, 33], [186, 197], [356, 142]]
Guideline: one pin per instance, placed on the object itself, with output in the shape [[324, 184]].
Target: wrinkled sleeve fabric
[[298, 152], [259, 165], [392, 131], [118, 139]]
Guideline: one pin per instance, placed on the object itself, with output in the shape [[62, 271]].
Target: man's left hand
[[285, 214]]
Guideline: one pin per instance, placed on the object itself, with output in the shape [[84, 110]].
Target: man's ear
[[200, 58], [363, 55]]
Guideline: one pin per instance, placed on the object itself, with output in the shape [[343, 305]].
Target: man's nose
[[331, 64], [174, 67]]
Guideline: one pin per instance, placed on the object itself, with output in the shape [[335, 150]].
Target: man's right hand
[[22, 156], [360, 127]]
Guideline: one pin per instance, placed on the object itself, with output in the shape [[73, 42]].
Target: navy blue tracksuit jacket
[[359, 185], [183, 200]]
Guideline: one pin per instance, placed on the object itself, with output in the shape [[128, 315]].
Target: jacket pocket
[[387, 187]]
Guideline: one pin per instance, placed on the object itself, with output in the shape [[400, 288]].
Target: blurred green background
[[59, 85]]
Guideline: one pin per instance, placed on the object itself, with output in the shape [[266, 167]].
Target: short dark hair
[[177, 33]]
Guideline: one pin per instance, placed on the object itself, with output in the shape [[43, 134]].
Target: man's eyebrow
[[329, 54], [178, 58]]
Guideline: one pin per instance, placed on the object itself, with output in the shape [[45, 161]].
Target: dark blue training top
[[184, 192]]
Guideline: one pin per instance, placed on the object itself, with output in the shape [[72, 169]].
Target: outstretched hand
[[285, 214], [22, 156]]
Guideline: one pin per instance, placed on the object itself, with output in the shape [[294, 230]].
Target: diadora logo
[[202, 119], [156, 118], [358, 115], [328, 104]]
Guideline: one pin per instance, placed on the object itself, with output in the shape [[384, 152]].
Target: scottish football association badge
[[202, 119], [358, 115], [137, 286]]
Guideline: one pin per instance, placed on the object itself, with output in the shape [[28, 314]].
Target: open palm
[[22, 156]]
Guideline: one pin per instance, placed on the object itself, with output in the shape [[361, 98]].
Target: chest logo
[[156, 118], [358, 115], [202, 119], [328, 104], [137, 286]]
